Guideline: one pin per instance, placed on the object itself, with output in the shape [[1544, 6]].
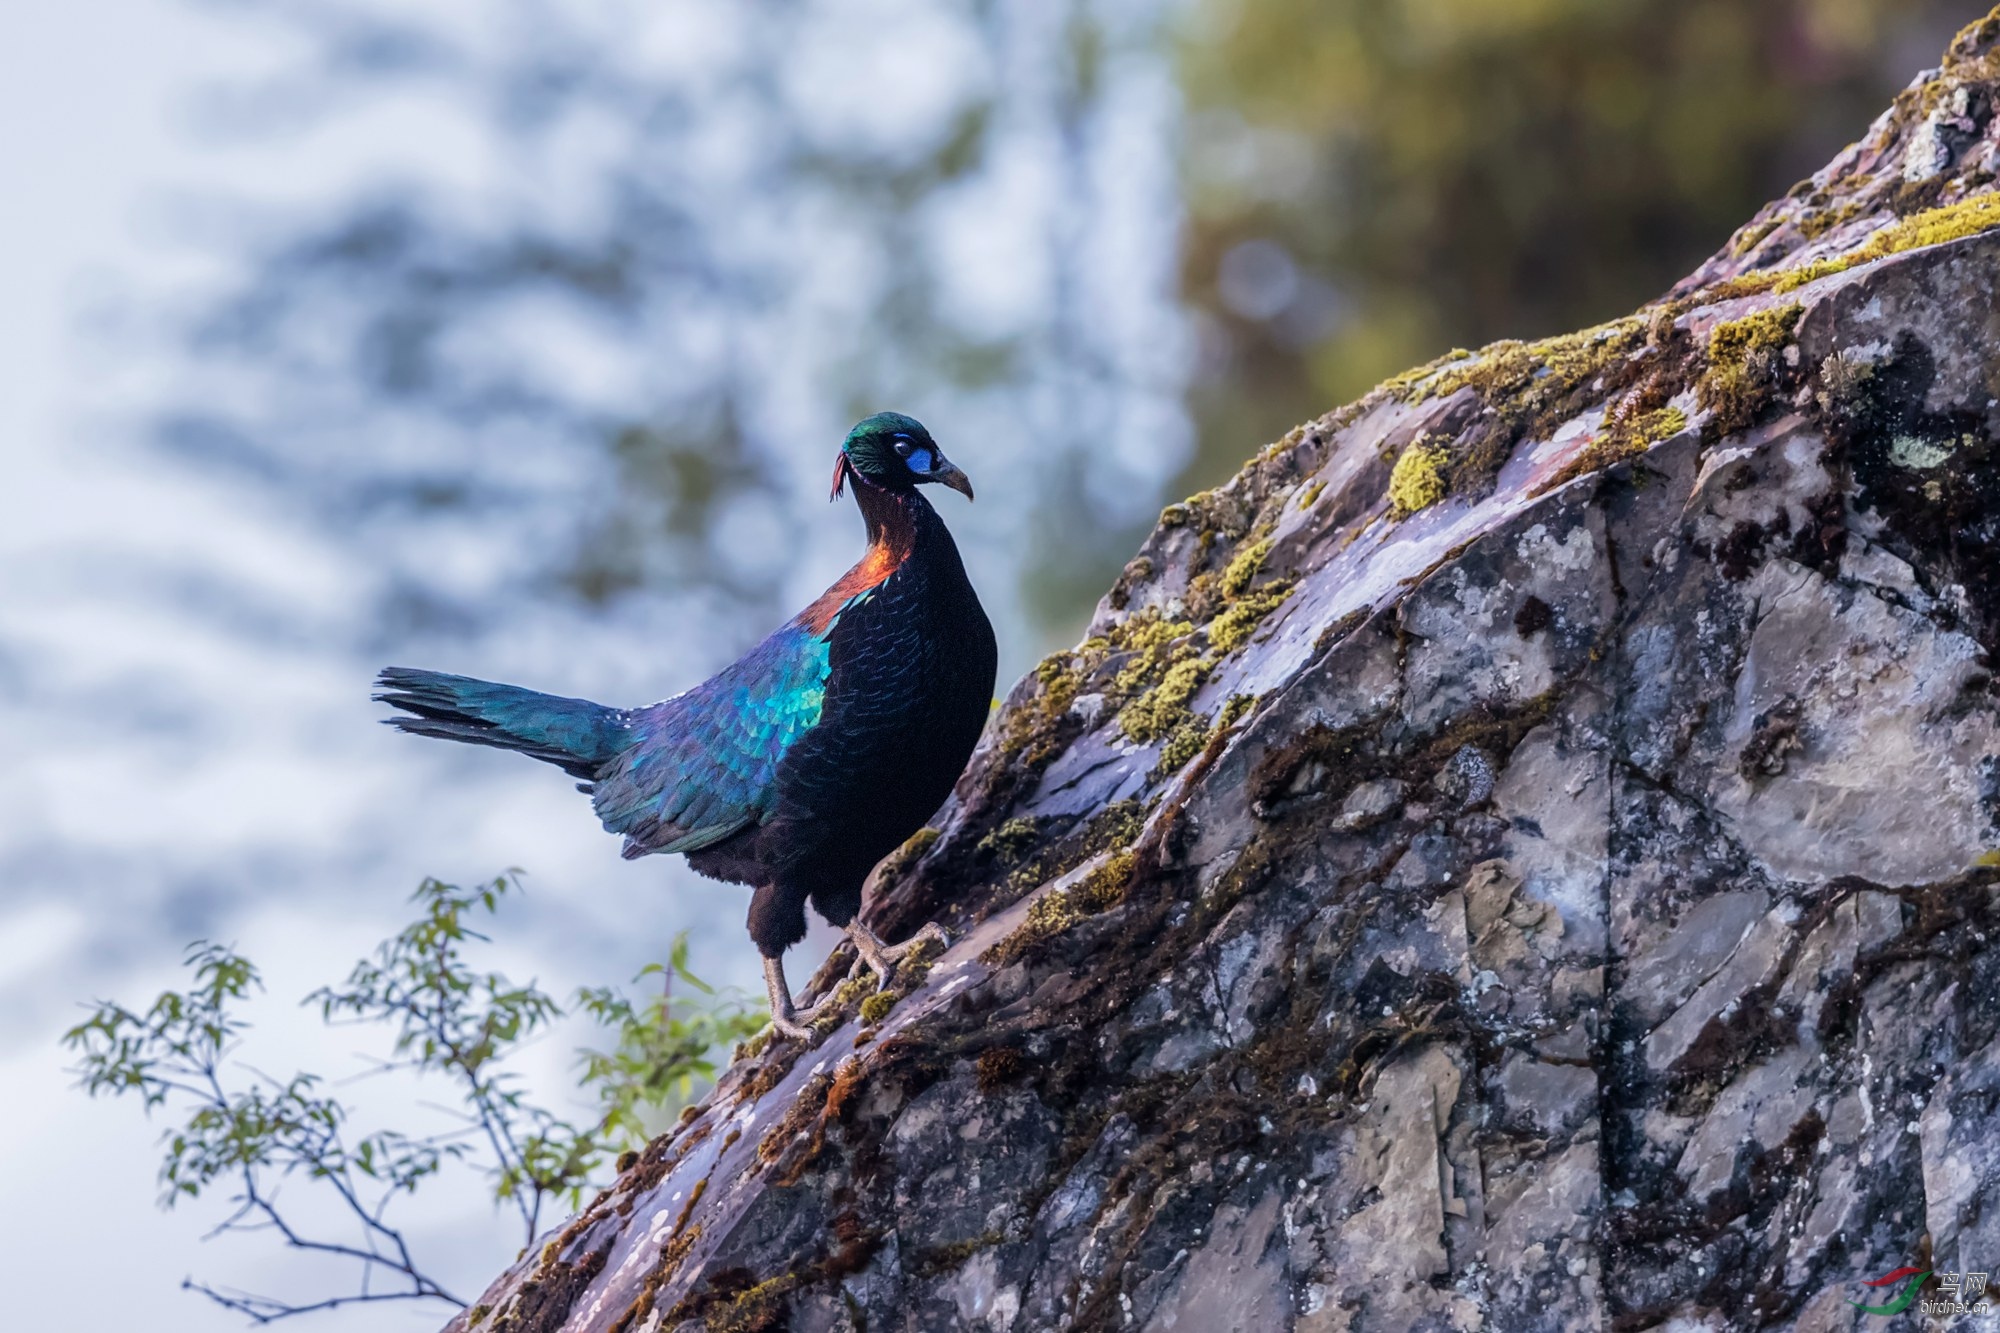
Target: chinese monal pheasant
[[809, 759]]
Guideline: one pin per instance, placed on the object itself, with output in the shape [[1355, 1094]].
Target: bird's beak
[[948, 473]]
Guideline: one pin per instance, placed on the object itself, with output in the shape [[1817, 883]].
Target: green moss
[[1116, 826], [1621, 435], [877, 1006], [1533, 376], [1185, 742], [1049, 915], [1162, 708], [1816, 224], [1174, 516], [1417, 480], [1743, 365], [1232, 629], [1634, 434], [1933, 226], [911, 852], [1310, 495], [1030, 730], [1752, 236], [851, 991], [1009, 840], [1246, 565], [1059, 909], [1105, 886], [1233, 711], [917, 963], [758, 1310]]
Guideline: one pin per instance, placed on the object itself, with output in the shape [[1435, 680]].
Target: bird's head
[[896, 452]]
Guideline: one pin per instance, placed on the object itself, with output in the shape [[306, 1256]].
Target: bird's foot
[[797, 1024], [787, 1019], [882, 958]]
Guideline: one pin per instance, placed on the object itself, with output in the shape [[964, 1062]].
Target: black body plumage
[[803, 763]]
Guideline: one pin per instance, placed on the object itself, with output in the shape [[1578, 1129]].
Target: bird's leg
[[789, 1020], [883, 958]]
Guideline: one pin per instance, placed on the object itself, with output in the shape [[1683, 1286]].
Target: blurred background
[[515, 339]]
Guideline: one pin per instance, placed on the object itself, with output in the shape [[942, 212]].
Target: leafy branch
[[448, 1021]]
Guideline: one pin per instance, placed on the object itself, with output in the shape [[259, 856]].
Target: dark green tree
[[1370, 183]]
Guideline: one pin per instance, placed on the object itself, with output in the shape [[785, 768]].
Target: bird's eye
[[903, 445]]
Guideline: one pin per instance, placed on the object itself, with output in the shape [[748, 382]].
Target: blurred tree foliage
[[1373, 182], [700, 239]]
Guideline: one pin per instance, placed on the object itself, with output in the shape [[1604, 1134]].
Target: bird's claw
[[882, 958], [797, 1024], [787, 1019]]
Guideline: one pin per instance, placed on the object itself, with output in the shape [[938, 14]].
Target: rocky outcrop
[[1523, 855]]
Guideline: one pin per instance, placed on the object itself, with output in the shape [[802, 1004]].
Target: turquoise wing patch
[[703, 765]]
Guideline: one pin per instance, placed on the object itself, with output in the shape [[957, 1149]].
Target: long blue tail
[[575, 735]]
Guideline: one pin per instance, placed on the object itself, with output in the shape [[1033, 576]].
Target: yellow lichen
[[1814, 225], [1734, 340], [1152, 640], [755, 1309], [1233, 711], [1163, 707], [1629, 436], [1623, 435], [907, 855], [1232, 629], [1185, 742], [1029, 730], [1059, 909], [1752, 236], [1933, 226], [1010, 839], [1742, 364], [1105, 886], [1117, 825], [1417, 480], [1048, 915], [877, 1006], [1534, 376], [1247, 564]]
